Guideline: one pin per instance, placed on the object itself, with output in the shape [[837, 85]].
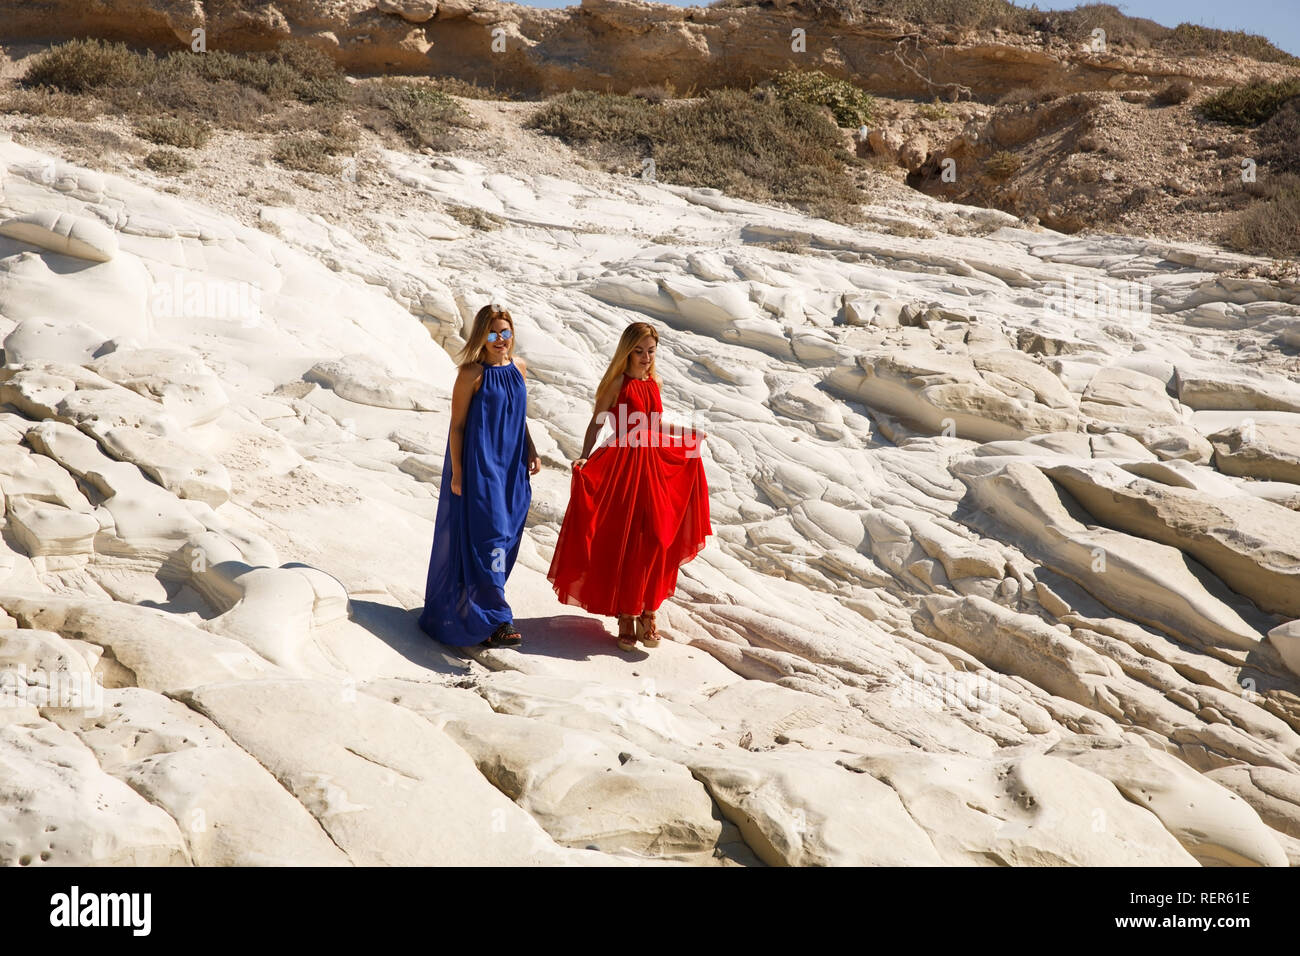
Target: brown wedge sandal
[[646, 631], [626, 639]]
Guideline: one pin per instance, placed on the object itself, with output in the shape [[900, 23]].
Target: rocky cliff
[[618, 45]]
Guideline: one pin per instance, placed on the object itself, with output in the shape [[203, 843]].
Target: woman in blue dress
[[485, 491]]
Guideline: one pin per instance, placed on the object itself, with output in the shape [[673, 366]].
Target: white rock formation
[[994, 580]]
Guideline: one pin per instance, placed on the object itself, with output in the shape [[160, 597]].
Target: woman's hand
[[534, 465], [455, 484], [577, 465]]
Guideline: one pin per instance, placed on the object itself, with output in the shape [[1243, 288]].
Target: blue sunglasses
[[505, 335]]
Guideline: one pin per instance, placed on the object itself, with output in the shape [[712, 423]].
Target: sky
[[1278, 20]]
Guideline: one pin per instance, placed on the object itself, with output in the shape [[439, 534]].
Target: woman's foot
[[626, 632], [646, 629], [506, 635]]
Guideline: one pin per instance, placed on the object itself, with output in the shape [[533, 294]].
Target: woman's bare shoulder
[[469, 375], [521, 365], [609, 394]]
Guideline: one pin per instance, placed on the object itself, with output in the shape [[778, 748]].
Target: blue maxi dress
[[477, 533]]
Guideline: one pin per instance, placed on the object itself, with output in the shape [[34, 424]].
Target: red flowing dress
[[638, 510]]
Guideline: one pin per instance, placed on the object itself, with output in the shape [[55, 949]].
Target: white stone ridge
[[989, 565]]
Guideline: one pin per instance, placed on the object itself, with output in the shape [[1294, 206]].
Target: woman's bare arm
[[467, 382], [604, 402], [534, 460]]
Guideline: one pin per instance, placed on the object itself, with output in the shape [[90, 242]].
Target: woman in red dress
[[638, 506]]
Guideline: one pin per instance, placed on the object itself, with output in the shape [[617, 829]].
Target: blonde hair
[[477, 341], [633, 334]]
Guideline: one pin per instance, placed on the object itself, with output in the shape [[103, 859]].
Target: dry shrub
[[171, 131], [1073, 26], [1271, 226], [227, 90], [475, 218], [1279, 138], [783, 150], [82, 66], [1002, 165], [1191, 38], [651, 94], [47, 101], [88, 140], [468, 89], [422, 114], [168, 161], [1177, 91], [1028, 96], [314, 153]]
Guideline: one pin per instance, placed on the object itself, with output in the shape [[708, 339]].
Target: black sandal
[[506, 635]]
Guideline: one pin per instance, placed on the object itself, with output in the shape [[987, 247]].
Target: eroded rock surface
[[990, 583]]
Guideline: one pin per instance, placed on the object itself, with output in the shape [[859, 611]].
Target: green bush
[[1250, 104], [851, 105]]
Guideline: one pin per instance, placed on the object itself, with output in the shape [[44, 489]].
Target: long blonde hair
[[633, 334], [477, 341]]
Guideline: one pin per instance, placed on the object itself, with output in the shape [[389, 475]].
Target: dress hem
[[569, 601]]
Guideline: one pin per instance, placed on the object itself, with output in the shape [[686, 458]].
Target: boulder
[[1210, 386], [388, 787], [1267, 451], [64, 233], [1253, 545], [1145, 580], [1212, 823], [45, 340]]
